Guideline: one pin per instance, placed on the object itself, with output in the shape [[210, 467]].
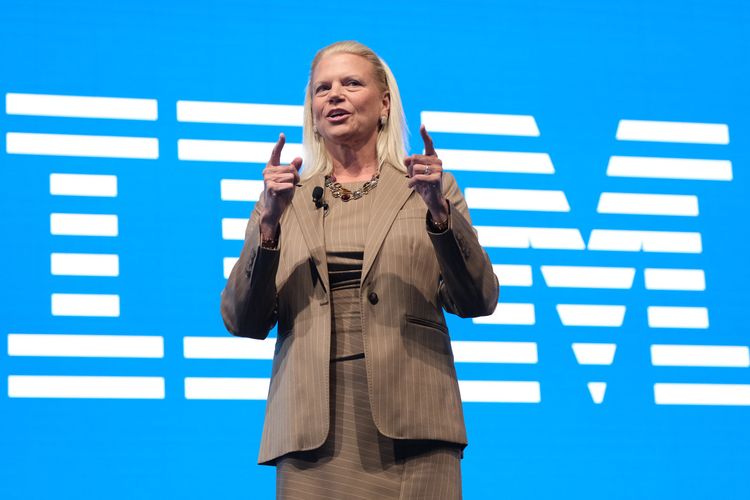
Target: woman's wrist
[[269, 232], [440, 213], [438, 220]]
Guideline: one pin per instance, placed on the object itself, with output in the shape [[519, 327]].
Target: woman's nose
[[334, 95]]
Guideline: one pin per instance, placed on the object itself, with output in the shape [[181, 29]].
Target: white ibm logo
[[577, 256]]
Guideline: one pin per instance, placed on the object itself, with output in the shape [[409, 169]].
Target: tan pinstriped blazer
[[409, 276]]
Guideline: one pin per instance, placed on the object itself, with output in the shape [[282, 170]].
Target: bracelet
[[269, 243], [438, 227]]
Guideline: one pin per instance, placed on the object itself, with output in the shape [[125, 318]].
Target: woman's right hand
[[279, 183]]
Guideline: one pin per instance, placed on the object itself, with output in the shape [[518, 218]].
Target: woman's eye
[[321, 88], [353, 83]]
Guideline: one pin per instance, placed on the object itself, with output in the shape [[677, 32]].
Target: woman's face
[[347, 101]]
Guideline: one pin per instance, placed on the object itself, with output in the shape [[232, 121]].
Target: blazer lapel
[[311, 224], [391, 194]]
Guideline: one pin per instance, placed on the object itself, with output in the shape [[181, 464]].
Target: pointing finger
[[429, 147], [276, 153]]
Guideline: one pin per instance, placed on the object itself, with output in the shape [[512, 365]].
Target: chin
[[340, 136]]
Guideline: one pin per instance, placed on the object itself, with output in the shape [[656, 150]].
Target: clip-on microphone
[[317, 198]]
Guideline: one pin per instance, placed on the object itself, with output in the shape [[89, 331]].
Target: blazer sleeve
[[249, 302], [468, 286]]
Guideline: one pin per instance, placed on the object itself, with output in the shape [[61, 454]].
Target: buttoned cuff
[[264, 254]]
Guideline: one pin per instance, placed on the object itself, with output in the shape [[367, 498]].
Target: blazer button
[[373, 298]]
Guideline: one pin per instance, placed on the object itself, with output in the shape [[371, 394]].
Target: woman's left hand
[[425, 174]]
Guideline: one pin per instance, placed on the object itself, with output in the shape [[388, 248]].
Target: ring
[[427, 170]]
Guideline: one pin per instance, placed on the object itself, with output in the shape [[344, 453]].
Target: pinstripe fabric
[[345, 228], [411, 378], [346, 338], [433, 473], [357, 462]]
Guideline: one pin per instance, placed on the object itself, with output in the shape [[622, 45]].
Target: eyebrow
[[352, 76]]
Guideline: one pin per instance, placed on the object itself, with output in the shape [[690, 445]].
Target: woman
[[363, 400]]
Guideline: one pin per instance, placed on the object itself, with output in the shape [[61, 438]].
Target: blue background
[[578, 67]]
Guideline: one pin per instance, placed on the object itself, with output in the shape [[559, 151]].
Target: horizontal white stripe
[[85, 387], [597, 390], [648, 204], [504, 237], [646, 241], [100, 146], [591, 315], [240, 190], [480, 391], [83, 185], [594, 354], [553, 238], [84, 264], [79, 304], [499, 391], [516, 199], [509, 313], [227, 348], [700, 355], [513, 275], [675, 279], [669, 168], [702, 394], [657, 131], [233, 229], [496, 161], [480, 123], [233, 151], [465, 351], [73, 106], [677, 317], [226, 388], [83, 224], [588, 277], [228, 265], [239, 113], [103, 346]]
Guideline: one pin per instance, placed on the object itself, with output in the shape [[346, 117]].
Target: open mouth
[[337, 114]]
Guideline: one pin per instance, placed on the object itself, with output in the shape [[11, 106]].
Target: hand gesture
[[279, 183], [425, 174]]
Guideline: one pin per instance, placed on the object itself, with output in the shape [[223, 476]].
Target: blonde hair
[[392, 140]]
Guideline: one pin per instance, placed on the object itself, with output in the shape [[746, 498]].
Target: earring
[[383, 121], [315, 130]]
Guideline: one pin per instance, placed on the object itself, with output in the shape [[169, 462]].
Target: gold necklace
[[339, 191]]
